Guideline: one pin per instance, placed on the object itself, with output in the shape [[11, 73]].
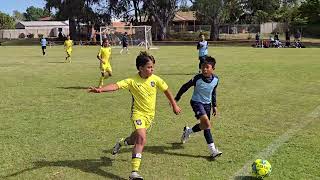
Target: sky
[[7, 6]]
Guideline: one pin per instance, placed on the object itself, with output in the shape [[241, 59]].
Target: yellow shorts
[[69, 51], [105, 67], [141, 121]]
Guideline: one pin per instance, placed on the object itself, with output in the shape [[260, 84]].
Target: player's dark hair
[[143, 58], [210, 60], [103, 41]]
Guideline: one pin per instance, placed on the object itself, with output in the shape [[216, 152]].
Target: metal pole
[[100, 36], [145, 37]]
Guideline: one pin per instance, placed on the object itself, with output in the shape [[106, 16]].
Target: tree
[[260, 17], [163, 12], [260, 11], [212, 12], [234, 10], [6, 21], [33, 13], [124, 8], [310, 9], [75, 11], [18, 16]]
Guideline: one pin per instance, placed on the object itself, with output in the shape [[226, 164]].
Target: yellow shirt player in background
[[143, 88], [104, 56], [68, 47]]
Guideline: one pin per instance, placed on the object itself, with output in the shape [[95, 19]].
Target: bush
[[30, 36], [22, 36], [311, 30], [186, 36]]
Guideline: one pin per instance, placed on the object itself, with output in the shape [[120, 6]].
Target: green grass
[[51, 128]]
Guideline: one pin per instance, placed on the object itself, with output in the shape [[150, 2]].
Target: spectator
[[276, 36], [297, 36], [257, 39], [287, 38]]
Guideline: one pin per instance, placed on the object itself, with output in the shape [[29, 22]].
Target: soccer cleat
[[216, 154], [135, 176], [185, 135], [117, 147]]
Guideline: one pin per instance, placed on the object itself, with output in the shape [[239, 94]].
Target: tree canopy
[[6, 21], [33, 13]]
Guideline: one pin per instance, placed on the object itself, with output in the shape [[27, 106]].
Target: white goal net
[[136, 35]]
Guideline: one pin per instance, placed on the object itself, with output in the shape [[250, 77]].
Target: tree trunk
[[136, 12], [162, 32], [72, 28], [214, 32]]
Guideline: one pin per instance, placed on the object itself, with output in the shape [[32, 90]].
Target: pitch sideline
[[274, 146]]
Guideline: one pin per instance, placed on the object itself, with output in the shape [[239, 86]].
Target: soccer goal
[[139, 36]]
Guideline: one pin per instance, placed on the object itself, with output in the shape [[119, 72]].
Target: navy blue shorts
[[202, 58], [200, 109]]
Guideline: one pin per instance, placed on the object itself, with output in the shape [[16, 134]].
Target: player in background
[[68, 47], [202, 46], [43, 43], [104, 56], [124, 42]]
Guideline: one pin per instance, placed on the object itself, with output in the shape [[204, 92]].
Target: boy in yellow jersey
[[68, 47], [104, 58], [143, 87]]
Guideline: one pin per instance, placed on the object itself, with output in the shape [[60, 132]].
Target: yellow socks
[[135, 161], [101, 81]]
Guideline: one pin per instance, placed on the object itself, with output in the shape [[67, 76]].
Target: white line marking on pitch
[[274, 146]]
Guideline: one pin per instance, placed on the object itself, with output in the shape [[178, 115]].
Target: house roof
[[119, 24], [44, 23], [184, 16]]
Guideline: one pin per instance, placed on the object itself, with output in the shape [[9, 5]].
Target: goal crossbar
[[137, 35]]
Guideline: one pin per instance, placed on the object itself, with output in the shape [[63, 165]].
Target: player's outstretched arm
[[184, 88], [106, 88], [176, 109]]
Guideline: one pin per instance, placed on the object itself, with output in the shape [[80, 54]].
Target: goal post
[[138, 36]]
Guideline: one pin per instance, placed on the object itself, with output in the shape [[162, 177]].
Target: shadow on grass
[[57, 62], [164, 150], [84, 165], [74, 87], [245, 178], [177, 74]]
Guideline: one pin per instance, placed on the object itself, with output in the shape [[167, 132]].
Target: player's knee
[[141, 139], [205, 125]]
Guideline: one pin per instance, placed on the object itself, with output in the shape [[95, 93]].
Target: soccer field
[[51, 128]]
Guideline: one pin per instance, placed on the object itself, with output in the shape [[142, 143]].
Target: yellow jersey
[[144, 92], [105, 53], [68, 44]]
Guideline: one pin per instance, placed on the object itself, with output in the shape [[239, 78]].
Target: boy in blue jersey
[[43, 43], [204, 94], [203, 50]]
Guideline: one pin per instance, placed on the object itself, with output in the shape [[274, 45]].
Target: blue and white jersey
[[204, 89], [43, 42], [203, 48]]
